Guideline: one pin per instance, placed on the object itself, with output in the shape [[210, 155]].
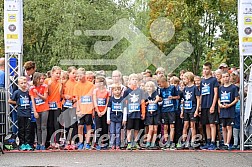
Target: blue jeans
[[115, 133]]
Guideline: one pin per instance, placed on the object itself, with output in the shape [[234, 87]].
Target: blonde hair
[[150, 83], [101, 79], [174, 80], [189, 76], [81, 71], [22, 78], [113, 86], [160, 69], [90, 73], [54, 68], [133, 76]]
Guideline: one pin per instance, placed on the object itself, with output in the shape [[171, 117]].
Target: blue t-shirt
[[2, 79], [237, 115], [116, 105], [168, 105], [23, 103], [153, 107], [227, 95], [190, 100], [207, 91], [134, 98]]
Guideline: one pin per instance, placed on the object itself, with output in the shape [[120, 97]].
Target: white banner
[[13, 26]]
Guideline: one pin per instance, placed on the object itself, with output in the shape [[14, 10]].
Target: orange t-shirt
[[40, 104], [101, 99], [68, 90], [84, 92], [54, 95]]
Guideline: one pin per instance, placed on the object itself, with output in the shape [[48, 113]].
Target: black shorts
[[227, 122], [152, 120], [168, 118], [133, 124], [86, 120], [190, 117], [208, 118]]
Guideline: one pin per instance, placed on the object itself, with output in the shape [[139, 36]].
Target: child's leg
[[27, 130], [166, 133], [236, 136], [56, 124], [112, 130], [172, 132], [80, 133], [50, 127], [43, 119], [150, 132], [224, 132], [89, 132], [98, 128], [193, 129], [229, 134], [155, 129], [118, 133], [39, 128], [129, 135], [21, 130], [186, 126], [104, 128]]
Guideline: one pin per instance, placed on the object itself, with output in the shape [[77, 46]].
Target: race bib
[[101, 102], [152, 107], [24, 102], [205, 90], [187, 105], [116, 106], [134, 107], [53, 106], [68, 104], [86, 99], [225, 97], [39, 101], [167, 102]]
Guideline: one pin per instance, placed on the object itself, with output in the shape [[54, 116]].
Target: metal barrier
[[2, 114]]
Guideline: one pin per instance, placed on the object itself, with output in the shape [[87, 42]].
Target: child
[[191, 106], [100, 98], [83, 91], [152, 115], [22, 99], [116, 116], [54, 100], [90, 76], [39, 94], [69, 103], [228, 97], [236, 127], [209, 110], [135, 109], [178, 122], [169, 94]]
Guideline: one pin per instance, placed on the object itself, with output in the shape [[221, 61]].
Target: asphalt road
[[127, 158]]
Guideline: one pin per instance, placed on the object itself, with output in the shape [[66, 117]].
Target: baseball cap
[[223, 65]]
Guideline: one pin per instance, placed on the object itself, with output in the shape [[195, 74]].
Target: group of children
[[134, 112]]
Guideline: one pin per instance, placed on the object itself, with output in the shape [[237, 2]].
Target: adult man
[[223, 67]]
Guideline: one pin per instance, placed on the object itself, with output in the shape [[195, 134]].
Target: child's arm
[[106, 107], [95, 102], [220, 105], [12, 102], [124, 115], [108, 115], [143, 109], [34, 107], [233, 103], [196, 113], [214, 100]]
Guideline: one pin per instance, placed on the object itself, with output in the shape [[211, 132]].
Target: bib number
[[86, 99], [167, 103], [101, 102], [205, 90], [134, 107], [53, 106], [68, 104], [39, 101], [152, 107], [188, 105]]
